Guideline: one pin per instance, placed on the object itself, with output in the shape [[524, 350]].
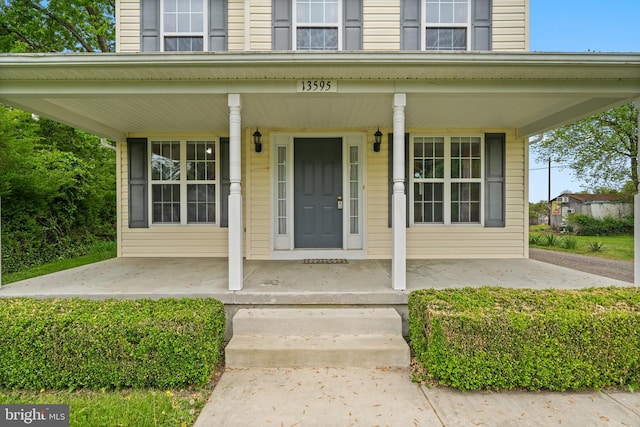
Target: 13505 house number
[[317, 86]]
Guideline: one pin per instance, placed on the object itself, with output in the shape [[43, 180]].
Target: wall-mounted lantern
[[257, 141], [377, 141]]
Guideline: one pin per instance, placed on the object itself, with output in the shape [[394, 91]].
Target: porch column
[[636, 214], [399, 199], [236, 274]]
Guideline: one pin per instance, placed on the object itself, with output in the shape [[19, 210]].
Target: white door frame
[[282, 194]]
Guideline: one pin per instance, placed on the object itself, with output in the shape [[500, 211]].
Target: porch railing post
[[399, 199], [236, 273]]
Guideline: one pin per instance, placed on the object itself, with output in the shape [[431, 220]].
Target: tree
[[601, 150], [57, 25]]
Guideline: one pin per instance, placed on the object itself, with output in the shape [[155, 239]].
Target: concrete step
[[316, 321], [274, 351], [317, 337]]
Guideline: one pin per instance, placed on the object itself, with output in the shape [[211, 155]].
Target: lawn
[[133, 407], [614, 247]]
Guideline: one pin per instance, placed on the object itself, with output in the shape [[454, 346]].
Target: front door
[[318, 192]]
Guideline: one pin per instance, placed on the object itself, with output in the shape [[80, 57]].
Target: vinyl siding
[[510, 25], [258, 198], [164, 240], [454, 241], [128, 26], [381, 25]]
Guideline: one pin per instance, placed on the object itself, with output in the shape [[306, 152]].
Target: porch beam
[[636, 213], [236, 273], [399, 216]]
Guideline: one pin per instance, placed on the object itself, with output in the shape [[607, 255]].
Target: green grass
[[614, 247], [133, 407], [101, 251]]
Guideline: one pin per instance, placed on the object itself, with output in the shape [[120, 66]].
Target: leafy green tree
[[601, 150], [57, 25]]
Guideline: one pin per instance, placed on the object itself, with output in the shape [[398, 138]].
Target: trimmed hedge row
[[74, 343], [495, 338]]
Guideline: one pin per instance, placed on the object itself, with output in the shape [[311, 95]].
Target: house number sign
[[317, 86]]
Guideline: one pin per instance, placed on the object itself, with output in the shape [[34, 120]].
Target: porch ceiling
[[114, 95]]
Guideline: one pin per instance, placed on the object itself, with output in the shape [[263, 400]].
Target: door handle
[[339, 202]]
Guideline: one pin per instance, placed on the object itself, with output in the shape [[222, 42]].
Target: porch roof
[[116, 95]]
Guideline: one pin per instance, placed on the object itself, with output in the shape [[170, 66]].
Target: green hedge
[[495, 338], [73, 343], [586, 225]]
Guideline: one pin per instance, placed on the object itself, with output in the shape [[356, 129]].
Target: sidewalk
[[386, 397]]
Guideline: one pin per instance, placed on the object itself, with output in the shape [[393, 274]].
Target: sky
[[578, 26]]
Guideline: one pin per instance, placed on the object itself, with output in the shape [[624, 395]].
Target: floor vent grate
[[325, 261]]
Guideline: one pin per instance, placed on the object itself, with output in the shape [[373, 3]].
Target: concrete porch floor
[[359, 282]]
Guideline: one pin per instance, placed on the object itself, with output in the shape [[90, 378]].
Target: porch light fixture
[[377, 141], [257, 141]]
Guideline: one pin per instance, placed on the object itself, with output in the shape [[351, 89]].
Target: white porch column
[[636, 216], [236, 274], [399, 199]]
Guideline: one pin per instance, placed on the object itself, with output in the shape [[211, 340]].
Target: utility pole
[[549, 194]]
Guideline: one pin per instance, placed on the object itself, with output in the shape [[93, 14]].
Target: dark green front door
[[318, 192]]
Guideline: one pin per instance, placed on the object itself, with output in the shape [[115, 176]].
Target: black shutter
[[281, 25], [352, 17], [217, 25], [137, 161], [481, 25], [225, 182], [494, 184], [406, 175], [410, 24], [149, 25]]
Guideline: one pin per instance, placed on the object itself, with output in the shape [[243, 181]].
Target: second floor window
[[183, 25], [317, 24], [446, 24]]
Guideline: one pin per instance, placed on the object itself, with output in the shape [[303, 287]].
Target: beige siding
[[258, 199], [235, 24], [510, 25], [128, 26], [164, 240], [449, 241], [476, 241], [381, 25], [260, 25]]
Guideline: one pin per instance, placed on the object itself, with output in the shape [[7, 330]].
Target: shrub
[[589, 226], [569, 242], [492, 338], [596, 246], [550, 239], [73, 343], [535, 239]]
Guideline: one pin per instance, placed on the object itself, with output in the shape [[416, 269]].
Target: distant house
[[596, 205]]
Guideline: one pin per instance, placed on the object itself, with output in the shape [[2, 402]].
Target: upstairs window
[[317, 24], [447, 25], [183, 25]]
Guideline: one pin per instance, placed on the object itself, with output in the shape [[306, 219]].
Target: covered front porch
[[294, 282]]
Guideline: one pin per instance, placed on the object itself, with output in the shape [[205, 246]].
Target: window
[[446, 179], [317, 24], [447, 24], [183, 182], [183, 25]]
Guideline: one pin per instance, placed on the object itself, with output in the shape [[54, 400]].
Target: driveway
[[614, 269]]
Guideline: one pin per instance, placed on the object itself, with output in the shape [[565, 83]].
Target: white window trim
[[183, 181], [294, 13], [423, 27], [447, 181], [205, 38]]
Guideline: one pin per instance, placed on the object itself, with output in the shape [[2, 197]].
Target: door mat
[[325, 261]]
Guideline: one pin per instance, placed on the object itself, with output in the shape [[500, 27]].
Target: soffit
[[114, 95]]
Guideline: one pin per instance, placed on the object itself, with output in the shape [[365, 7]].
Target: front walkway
[[292, 282]]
